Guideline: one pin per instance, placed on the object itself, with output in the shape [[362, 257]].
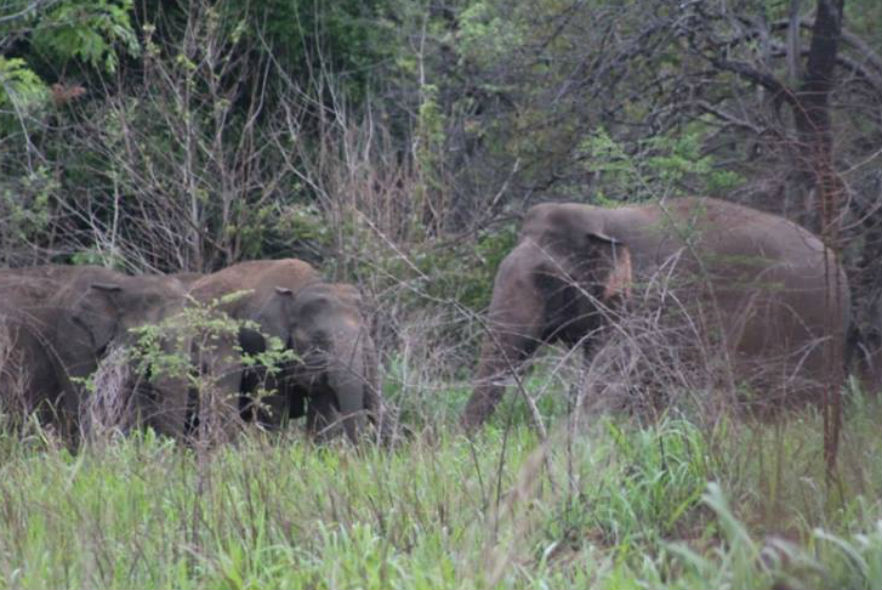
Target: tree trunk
[[812, 117]]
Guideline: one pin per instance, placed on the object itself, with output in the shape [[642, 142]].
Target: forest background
[[394, 144]]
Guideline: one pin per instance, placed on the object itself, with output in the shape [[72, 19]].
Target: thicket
[[395, 142]]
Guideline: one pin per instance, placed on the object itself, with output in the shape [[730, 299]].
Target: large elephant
[[31, 379], [66, 318], [333, 378], [759, 288], [101, 309]]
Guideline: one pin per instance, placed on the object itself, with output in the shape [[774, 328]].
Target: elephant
[[336, 370], [761, 290], [30, 375], [333, 377], [187, 278], [67, 318], [102, 308]]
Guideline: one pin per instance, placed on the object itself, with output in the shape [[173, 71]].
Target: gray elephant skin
[[763, 290], [333, 379], [61, 321]]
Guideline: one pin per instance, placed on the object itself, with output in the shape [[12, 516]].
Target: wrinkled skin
[[335, 379], [765, 286], [73, 315], [31, 378], [103, 307], [336, 374]]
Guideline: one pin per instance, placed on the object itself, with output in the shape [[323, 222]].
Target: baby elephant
[[332, 378]]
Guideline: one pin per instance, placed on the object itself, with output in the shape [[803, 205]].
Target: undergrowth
[[612, 503]]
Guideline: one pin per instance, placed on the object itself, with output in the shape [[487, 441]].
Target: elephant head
[[559, 284], [67, 318], [333, 379], [101, 309]]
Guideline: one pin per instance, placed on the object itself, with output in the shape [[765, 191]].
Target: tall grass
[[617, 504]]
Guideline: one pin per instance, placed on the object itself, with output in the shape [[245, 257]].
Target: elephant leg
[[28, 380], [165, 406], [284, 401], [501, 359], [322, 417], [67, 412], [217, 392], [296, 403], [273, 411], [222, 407]]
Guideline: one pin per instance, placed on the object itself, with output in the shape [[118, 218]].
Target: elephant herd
[[766, 305], [60, 322]]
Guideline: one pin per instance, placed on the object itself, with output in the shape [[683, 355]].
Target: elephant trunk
[[514, 330], [347, 380], [499, 355]]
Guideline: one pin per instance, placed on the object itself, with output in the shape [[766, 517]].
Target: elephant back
[[259, 280]]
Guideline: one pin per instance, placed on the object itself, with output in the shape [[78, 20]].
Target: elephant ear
[[271, 318], [609, 253], [96, 312]]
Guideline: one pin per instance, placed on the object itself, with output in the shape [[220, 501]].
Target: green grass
[[619, 505]]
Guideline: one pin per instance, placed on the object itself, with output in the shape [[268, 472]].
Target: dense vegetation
[[617, 505], [394, 144]]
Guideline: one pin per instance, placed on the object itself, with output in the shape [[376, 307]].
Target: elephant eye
[[321, 340]]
